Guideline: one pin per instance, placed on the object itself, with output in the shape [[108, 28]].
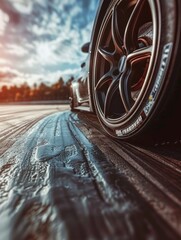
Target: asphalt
[[61, 177]]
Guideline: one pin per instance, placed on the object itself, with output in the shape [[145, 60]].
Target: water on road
[[61, 178]]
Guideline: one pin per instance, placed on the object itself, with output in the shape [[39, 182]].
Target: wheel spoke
[[125, 92], [123, 60], [117, 39], [106, 55], [109, 95], [140, 54], [105, 80], [131, 31]]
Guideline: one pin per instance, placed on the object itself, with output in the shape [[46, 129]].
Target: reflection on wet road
[[63, 179]]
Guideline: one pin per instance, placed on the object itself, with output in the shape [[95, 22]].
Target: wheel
[[135, 63]]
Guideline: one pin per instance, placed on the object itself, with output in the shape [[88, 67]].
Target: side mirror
[[85, 47]]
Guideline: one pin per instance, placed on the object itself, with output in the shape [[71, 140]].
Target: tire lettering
[[156, 87], [130, 128], [151, 100]]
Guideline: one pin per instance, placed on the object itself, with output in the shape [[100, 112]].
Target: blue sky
[[40, 40]]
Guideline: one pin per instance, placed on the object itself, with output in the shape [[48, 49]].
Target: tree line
[[42, 92]]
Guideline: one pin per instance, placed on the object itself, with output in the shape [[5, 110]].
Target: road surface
[[17, 119], [62, 178]]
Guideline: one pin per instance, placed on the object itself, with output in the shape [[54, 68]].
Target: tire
[[134, 70]]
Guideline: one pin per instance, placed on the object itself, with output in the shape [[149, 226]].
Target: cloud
[[8, 75], [42, 38], [12, 76], [22, 6], [3, 61], [4, 19], [16, 50]]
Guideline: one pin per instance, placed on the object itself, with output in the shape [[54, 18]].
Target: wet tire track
[[27, 178], [68, 181]]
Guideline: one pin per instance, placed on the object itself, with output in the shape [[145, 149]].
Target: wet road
[[61, 178], [17, 119]]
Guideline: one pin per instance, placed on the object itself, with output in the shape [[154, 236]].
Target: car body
[[79, 87], [130, 78]]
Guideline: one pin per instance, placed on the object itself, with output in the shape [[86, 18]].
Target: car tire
[[135, 70]]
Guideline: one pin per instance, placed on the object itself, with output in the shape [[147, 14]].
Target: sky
[[40, 40]]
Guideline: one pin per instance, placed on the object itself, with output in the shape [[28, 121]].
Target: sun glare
[[44, 52]]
